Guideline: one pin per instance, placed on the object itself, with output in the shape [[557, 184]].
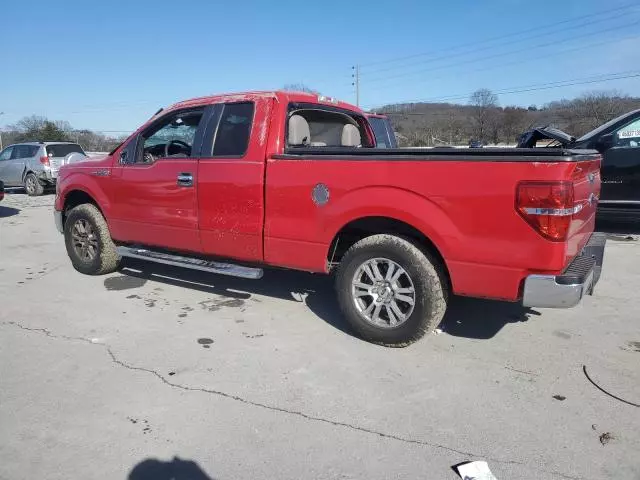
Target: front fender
[[399, 204], [79, 181]]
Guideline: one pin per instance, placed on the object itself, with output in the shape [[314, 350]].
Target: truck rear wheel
[[88, 241], [390, 291]]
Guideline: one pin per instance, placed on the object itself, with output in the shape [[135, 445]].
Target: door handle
[[185, 180]]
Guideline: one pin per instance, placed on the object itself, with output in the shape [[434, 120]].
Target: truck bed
[[443, 154]]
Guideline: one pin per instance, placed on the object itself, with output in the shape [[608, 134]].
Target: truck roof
[[43, 143], [280, 95]]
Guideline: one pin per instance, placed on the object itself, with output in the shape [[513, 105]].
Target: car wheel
[[88, 241], [32, 185], [390, 291]]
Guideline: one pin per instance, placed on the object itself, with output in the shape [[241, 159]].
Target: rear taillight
[[44, 160], [547, 207]]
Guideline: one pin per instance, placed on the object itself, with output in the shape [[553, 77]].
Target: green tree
[[38, 129]]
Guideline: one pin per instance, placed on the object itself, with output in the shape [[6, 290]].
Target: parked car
[[382, 130], [292, 180], [36, 165], [1, 190], [475, 144], [619, 143]]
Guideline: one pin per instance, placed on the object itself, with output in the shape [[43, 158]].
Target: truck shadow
[[617, 229], [8, 211], [466, 317], [175, 469]]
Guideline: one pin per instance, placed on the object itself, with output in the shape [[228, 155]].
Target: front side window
[[234, 130], [6, 154], [629, 135], [172, 137]]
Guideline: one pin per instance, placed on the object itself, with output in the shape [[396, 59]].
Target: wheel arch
[[362, 227], [77, 197]]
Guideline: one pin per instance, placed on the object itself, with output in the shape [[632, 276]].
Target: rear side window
[[63, 149], [317, 127], [234, 129], [24, 151]]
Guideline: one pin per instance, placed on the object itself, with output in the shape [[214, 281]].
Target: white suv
[[35, 165]]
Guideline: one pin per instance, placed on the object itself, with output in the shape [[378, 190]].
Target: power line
[[524, 60], [536, 87], [490, 47], [503, 54], [509, 35]]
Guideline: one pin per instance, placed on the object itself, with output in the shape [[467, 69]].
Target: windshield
[[605, 126], [383, 131], [63, 149]]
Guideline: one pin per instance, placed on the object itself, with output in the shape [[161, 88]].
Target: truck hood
[[80, 163], [529, 138]]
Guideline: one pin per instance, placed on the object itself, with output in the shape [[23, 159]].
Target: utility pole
[[356, 82], [1, 113]]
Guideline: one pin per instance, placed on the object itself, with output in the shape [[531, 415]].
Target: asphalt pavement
[[157, 373]]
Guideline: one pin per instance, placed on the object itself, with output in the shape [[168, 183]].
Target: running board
[[191, 262]]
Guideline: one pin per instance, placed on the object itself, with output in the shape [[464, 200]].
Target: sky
[[108, 66]]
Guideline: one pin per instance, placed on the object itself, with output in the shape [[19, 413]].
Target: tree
[[485, 104], [38, 129], [515, 121], [299, 87]]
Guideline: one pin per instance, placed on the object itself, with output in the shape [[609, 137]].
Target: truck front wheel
[[88, 241], [390, 291]]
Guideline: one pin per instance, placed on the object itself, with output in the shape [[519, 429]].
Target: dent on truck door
[[230, 189], [155, 184]]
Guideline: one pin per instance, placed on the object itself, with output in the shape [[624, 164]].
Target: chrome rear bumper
[[567, 289]]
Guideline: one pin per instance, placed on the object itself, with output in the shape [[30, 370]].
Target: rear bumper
[[567, 289]]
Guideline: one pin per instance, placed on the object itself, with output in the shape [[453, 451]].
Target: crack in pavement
[[297, 413]]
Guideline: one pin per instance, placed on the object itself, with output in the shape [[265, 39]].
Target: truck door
[[155, 184], [621, 166], [5, 158], [15, 167], [231, 179]]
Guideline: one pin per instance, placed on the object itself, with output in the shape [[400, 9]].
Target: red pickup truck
[[233, 183]]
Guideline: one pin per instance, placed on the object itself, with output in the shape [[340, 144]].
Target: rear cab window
[[316, 126], [62, 149], [385, 138]]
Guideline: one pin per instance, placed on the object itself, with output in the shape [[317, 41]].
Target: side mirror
[[605, 142]]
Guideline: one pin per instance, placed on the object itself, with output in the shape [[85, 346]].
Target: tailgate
[[586, 191]]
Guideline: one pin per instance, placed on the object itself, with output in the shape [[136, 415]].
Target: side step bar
[[193, 263]]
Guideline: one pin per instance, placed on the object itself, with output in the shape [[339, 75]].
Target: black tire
[[32, 185], [106, 258], [428, 281]]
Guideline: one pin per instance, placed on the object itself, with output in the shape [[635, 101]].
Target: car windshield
[[605, 126], [63, 149]]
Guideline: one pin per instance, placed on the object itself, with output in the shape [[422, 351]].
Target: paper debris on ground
[[475, 471]]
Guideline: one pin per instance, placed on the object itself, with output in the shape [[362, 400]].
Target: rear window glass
[[379, 126], [232, 137], [63, 149]]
